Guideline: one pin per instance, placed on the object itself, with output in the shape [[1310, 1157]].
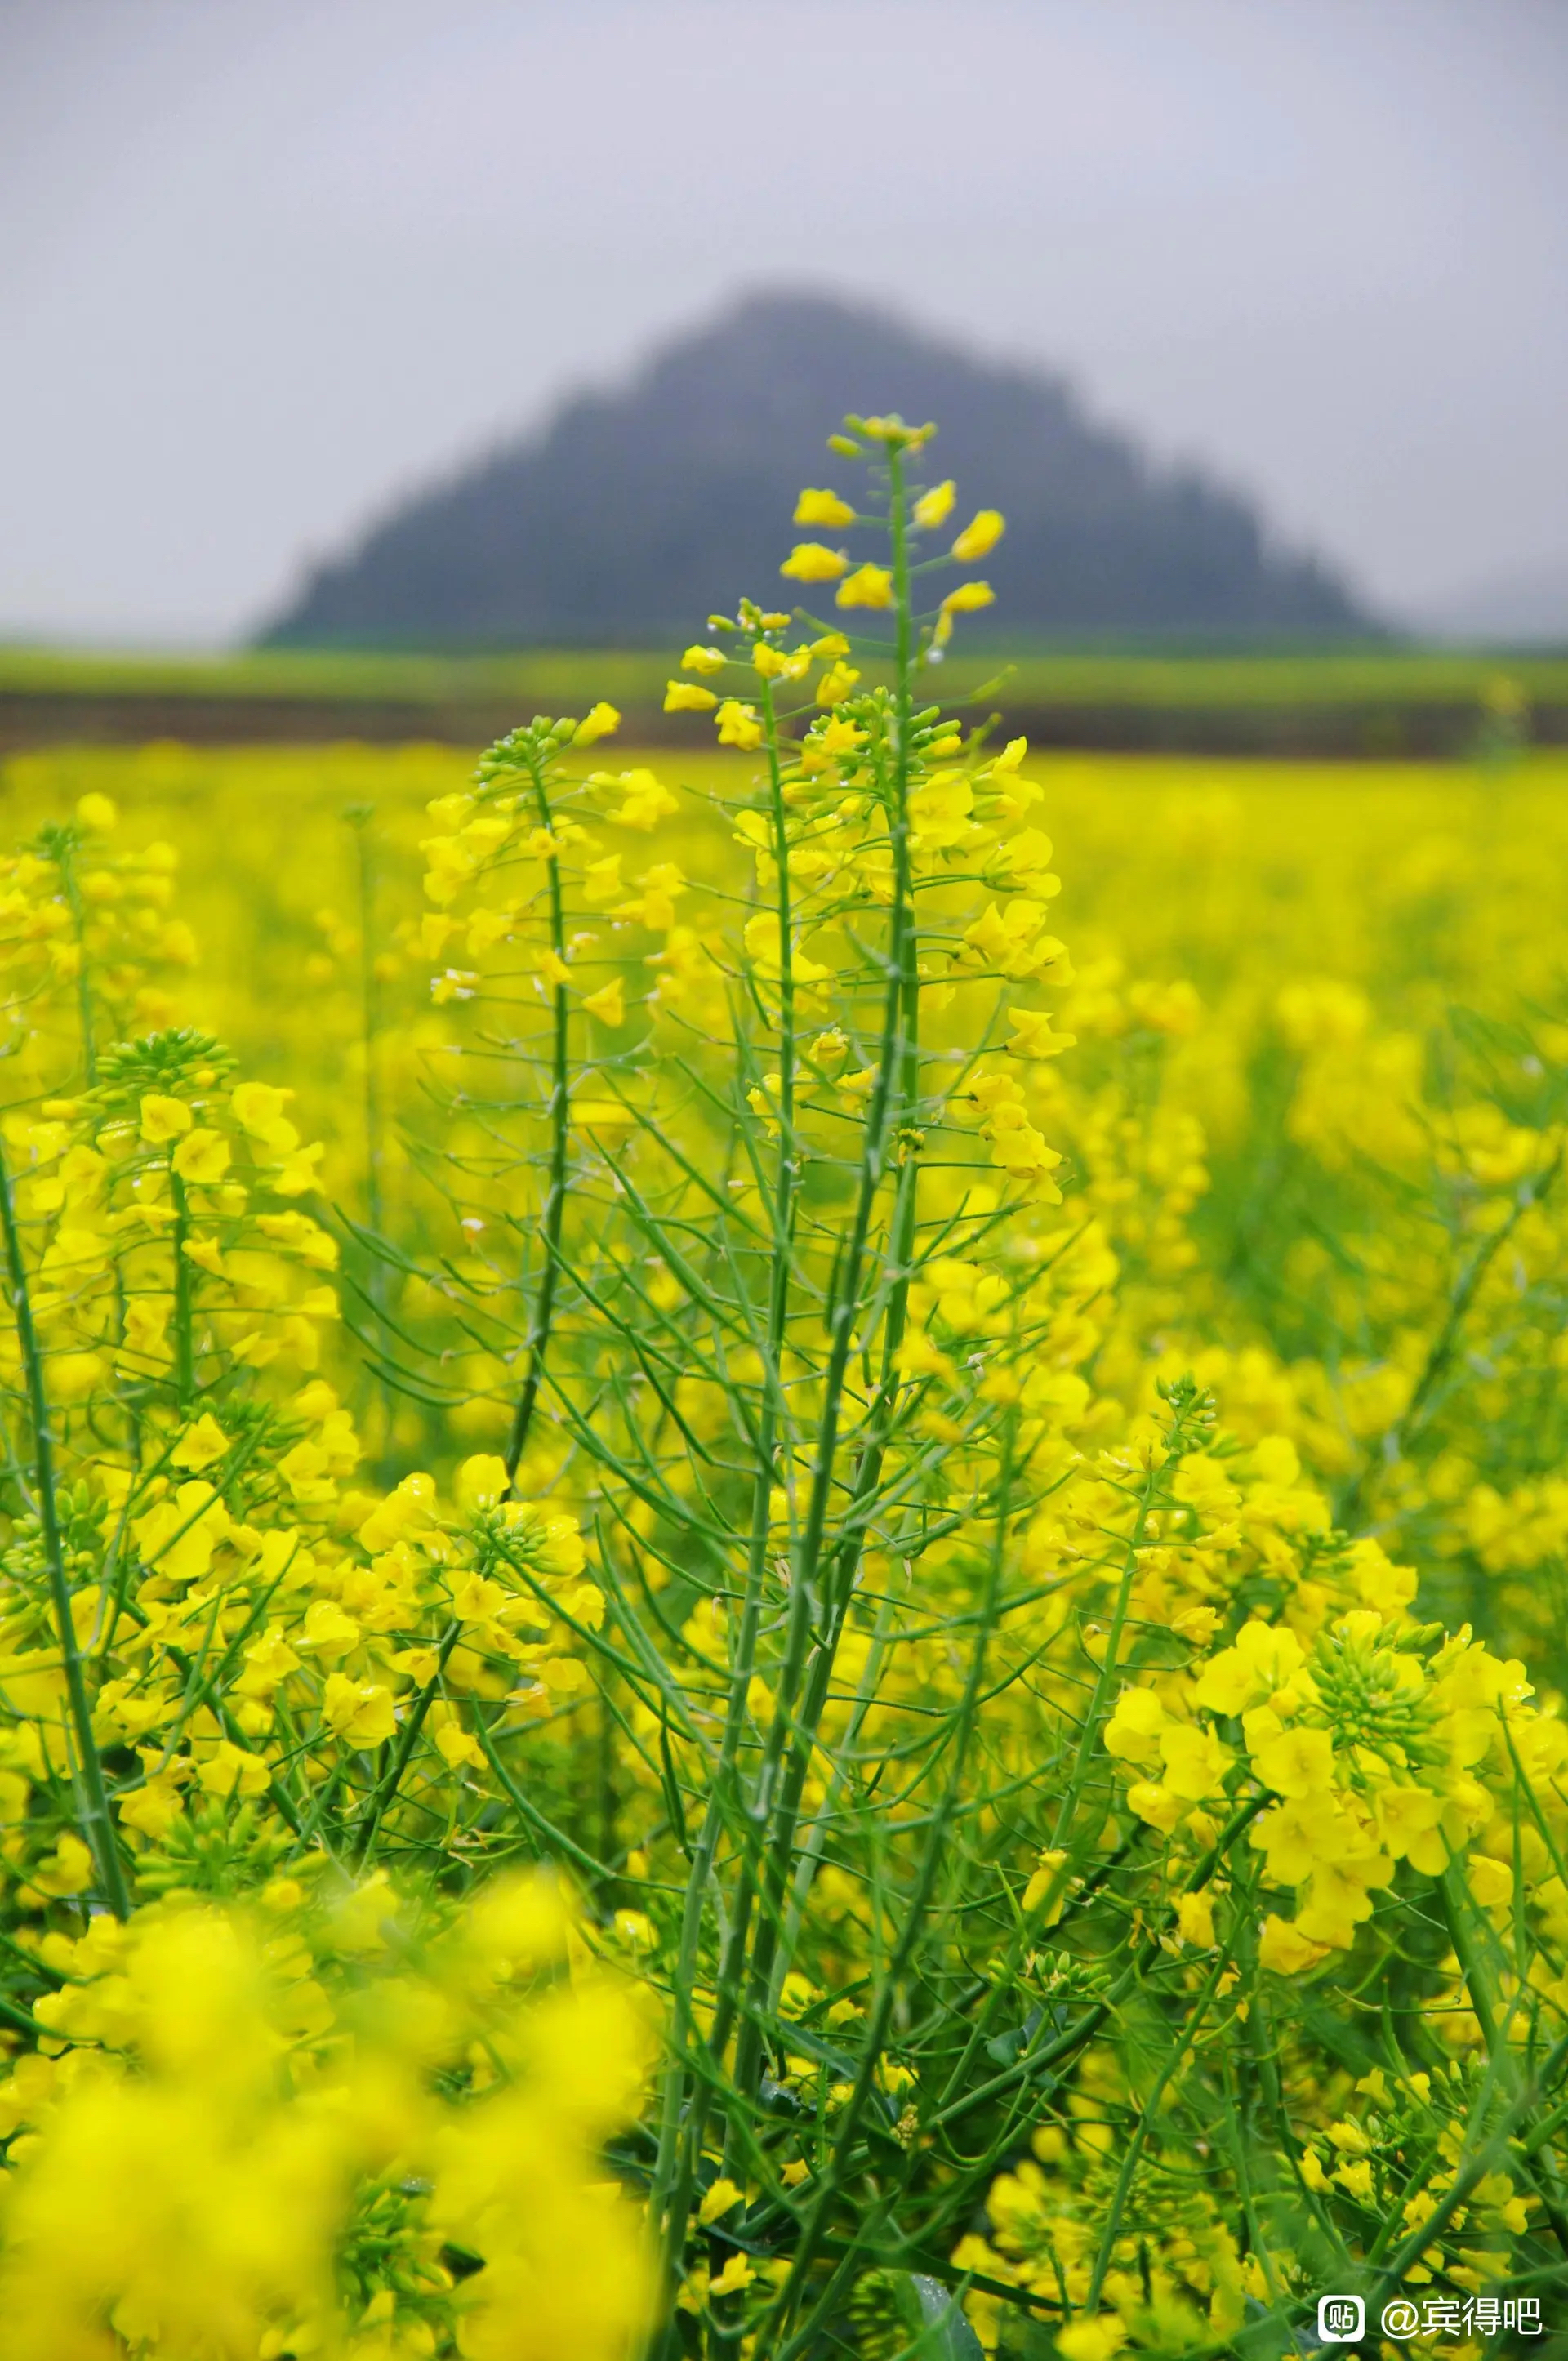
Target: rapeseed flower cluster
[[311, 2125], [830, 1628]]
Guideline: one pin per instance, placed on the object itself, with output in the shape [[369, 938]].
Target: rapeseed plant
[[954, 1746]]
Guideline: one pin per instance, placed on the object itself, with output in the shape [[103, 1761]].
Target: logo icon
[[1342, 2319]]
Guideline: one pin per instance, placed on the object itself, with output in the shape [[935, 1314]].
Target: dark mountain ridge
[[633, 512]]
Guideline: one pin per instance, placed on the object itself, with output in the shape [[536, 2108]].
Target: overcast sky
[[266, 262]]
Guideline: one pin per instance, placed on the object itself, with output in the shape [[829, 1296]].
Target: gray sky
[[264, 263]]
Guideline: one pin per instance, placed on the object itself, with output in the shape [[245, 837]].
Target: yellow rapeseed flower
[[163, 1118], [1299, 1763], [935, 507], [869, 585], [812, 561], [609, 1002], [738, 725], [824, 509], [202, 1156], [835, 682], [980, 536]]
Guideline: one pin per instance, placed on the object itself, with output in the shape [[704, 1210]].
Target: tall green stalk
[[360, 817], [672, 2209], [93, 1801], [799, 1709], [558, 1116]]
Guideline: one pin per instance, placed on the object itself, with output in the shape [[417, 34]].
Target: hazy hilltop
[[1525, 608], [634, 512]]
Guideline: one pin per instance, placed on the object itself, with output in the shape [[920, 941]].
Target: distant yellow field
[[1419, 885]]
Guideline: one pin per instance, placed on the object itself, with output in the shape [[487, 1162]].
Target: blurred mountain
[[1522, 610], [635, 511]]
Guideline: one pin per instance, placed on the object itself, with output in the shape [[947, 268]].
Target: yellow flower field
[[770, 1590]]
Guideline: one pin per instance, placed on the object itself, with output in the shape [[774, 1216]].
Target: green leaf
[[932, 2313]]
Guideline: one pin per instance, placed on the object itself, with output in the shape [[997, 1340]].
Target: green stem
[[66, 859], [538, 1339], [1484, 2002], [1109, 1664], [385, 1796], [359, 816], [791, 1735], [1136, 2145], [678, 2095], [892, 1980], [93, 1802], [184, 1308]]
